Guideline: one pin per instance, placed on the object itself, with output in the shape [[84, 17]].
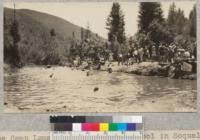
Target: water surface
[[32, 89]]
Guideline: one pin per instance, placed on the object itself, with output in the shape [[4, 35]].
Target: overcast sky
[[96, 13]]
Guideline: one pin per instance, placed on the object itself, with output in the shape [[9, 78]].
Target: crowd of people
[[98, 54], [163, 53]]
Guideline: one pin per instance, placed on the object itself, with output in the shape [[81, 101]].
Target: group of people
[[133, 56], [164, 53], [168, 54]]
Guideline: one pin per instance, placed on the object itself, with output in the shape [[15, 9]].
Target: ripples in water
[[32, 87]]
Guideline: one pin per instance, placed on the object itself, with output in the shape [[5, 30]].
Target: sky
[[96, 13]]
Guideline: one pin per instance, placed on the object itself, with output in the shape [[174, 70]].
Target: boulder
[[186, 67]]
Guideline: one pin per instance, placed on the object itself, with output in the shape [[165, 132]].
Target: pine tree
[[115, 24], [177, 20], [171, 19], [148, 12], [193, 22], [181, 21]]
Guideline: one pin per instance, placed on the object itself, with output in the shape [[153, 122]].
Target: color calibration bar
[[96, 128], [96, 123], [83, 119]]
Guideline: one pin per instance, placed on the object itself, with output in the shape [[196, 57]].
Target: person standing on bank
[[153, 55], [141, 54], [161, 52]]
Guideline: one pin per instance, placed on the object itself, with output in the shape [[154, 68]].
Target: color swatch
[[96, 123], [103, 119]]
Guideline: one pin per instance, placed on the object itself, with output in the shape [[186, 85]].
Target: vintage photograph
[[100, 57]]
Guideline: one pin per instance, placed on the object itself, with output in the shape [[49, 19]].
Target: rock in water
[[88, 73], [64, 106], [51, 75], [96, 89], [48, 66], [109, 70]]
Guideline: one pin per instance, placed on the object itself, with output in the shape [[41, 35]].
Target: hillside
[[37, 44]]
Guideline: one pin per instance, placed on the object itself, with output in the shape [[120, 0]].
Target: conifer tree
[[193, 22], [148, 12], [171, 19], [115, 24]]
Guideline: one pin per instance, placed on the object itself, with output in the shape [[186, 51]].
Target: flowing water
[[61, 89]]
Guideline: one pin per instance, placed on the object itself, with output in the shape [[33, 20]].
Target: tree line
[[153, 28]]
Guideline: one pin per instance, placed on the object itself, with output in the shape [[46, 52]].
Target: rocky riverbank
[[147, 69], [144, 68]]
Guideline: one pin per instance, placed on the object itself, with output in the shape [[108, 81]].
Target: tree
[[115, 47], [172, 14], [181, 21], [14, 32], [88, 32], [115, 24], [52, 32], [148, 12], [193, 22], [160, 32], [177, 20], [151, 25], [82, 34], [142, 39], [73, 35]]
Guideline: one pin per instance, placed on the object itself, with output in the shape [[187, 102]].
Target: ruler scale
[[96, 128]]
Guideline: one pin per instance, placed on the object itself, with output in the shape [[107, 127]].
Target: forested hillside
[[44, 38]]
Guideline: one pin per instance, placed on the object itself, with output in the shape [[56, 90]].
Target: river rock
[[190, 77], [96, 89], [147, 69], [186, 67], [48, 66]]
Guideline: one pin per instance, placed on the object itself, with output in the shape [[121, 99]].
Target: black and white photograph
[[100, 57]]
